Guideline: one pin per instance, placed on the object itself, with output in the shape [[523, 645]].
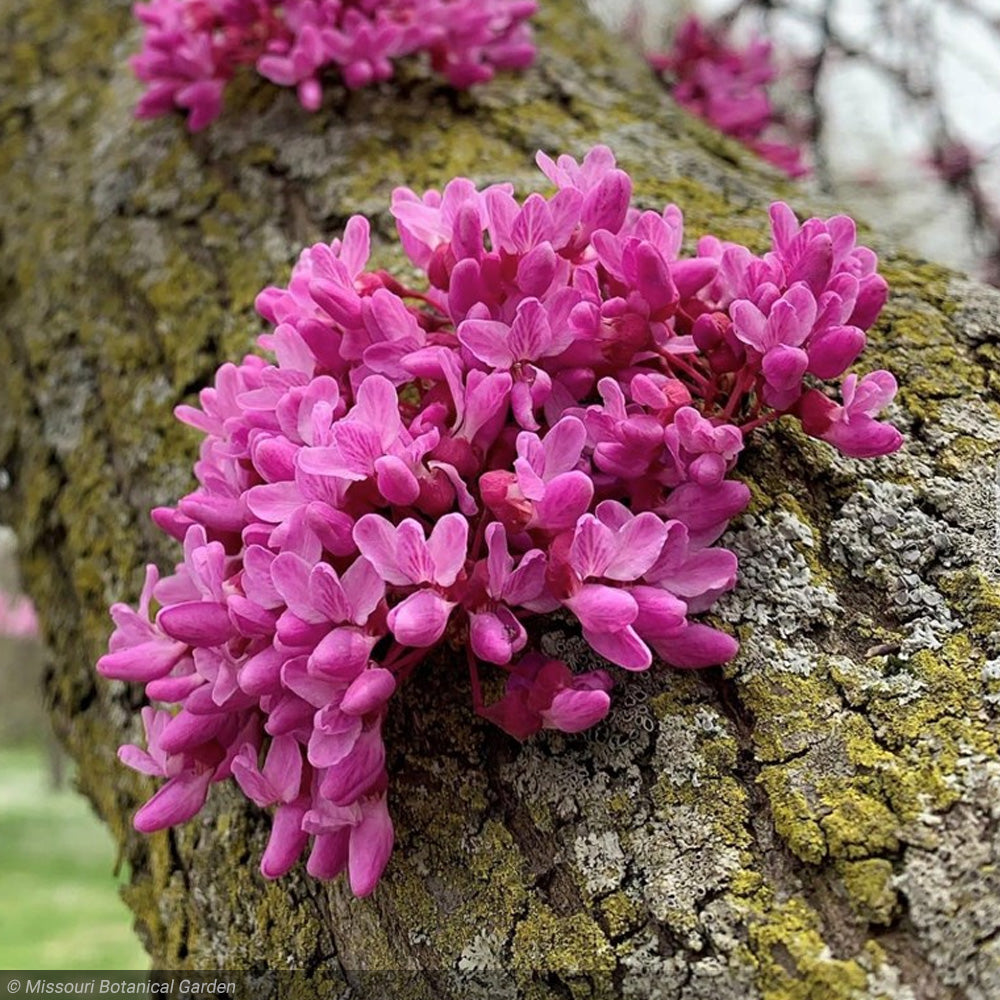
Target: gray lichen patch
[[881, 531], [679, 865], [772, 561], [884, 537], [484, 953], [952, 891], [600, 859], [975, 310], [650, 974]]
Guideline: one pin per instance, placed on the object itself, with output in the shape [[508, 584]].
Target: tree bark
[[819, 820]]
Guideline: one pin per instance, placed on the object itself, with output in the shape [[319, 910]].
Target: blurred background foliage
[[61, 907]]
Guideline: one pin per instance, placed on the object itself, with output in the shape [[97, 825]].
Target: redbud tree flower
[[727, 87], [551, 421], [192, 48], [18, 619]]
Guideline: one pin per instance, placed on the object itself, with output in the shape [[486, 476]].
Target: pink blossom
[[403, 557], [357, 837], [701, 451], [852, 426], [727, 86], [18, 619], [187, 783], [140, 650], [544, 694], [777, 339], [550, 420], [281, 776], [192, 48], [495, 632]]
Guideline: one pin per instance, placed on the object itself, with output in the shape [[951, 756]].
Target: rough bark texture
[[818, 821]]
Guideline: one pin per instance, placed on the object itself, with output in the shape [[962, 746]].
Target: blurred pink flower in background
[[727, 87], [18, 619]]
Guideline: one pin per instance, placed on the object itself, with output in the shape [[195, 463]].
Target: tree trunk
[[819, 820]]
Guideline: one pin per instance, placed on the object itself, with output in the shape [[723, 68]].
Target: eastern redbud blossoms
[[18, 619], [727, 86], [550, 423], [192, 48]]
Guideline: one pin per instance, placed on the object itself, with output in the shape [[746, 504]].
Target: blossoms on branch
[[192, 48], [550, 422], [727, 87]]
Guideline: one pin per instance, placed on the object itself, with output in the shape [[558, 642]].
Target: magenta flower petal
[[447, 548], [696, 646], [574, 711], [365, 589], [287, 841], [496, 636], [413, 555], [275, 502], [487, 339], [566, 498], [357, 772], [368, 692], [872, 393], [187, 730], [334, 738], [143, 663], [370, 847], [341, 654], [834, 350], [624, 647], [290, 574], [139, 760], [420, 620], [660, 612], [322, 596], [784, 367], [328, 857], [176, 802], [396, 481], [283, 767], [563, 446], [638, 545], [705, 511], [376, 538], [197, 623], [261, 673], [593, 548], [253, 784], [603, 609], [864, 437]]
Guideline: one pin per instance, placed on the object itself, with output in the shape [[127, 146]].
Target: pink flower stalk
[[192, 48], [551, 421], [18, 619], [727, 87]]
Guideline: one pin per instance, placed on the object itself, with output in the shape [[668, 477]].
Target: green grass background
[[59, 901]]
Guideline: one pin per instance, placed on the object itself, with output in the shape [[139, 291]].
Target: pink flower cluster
[[18, 619], [552, 422], [727, 87], [192, 48]]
